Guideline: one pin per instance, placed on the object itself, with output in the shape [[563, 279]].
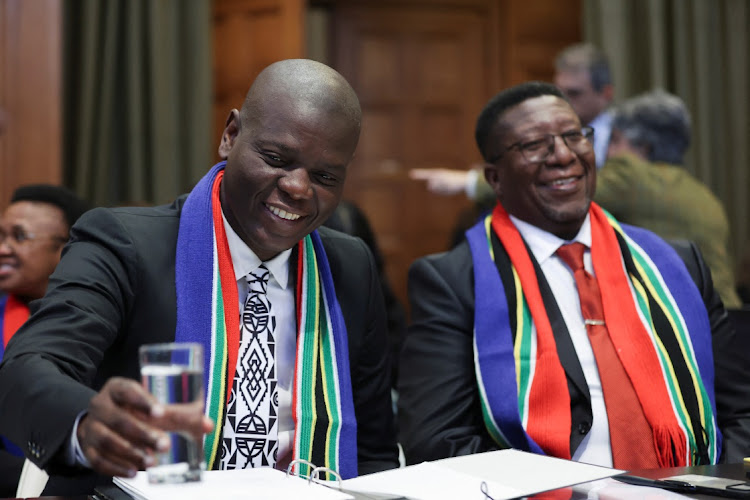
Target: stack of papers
[[258, 484], [505, 474], [501, 474]]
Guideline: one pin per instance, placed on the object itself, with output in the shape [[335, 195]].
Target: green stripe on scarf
[[658, 291], [650, 291], [308, 337], [218, 367], [208, 313], [523, 348], [489, 420], [316, 333], [330, 388]]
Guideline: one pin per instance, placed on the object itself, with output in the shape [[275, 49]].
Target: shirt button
[[584, 427]]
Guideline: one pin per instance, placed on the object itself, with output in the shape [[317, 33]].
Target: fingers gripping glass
[[538, 150]]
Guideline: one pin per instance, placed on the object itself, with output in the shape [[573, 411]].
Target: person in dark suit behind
[[350, 219], [33, 229], [132, 276], [503, 350]]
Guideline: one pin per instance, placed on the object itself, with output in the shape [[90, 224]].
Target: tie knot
[[258, 279], [572, 255]]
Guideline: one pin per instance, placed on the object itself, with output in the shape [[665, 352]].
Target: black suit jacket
[[114, 291], [10, 471], [439, 407]]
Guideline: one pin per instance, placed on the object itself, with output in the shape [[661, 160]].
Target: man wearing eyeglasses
[[33, 231], [583, 75], [552, 328]]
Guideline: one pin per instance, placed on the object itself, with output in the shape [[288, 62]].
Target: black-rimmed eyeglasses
[[18, 236], [539, 149]]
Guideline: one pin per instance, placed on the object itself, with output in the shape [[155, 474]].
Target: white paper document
[[611, 489], [506, 474], [259, 484]]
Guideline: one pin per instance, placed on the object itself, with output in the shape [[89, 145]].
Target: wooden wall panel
[[30, 93], [423, 69], [248, 36], [418, 70], [531, 35]]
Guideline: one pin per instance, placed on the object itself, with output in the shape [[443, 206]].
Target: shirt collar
[[544, 244], [245, 261], [602, 120]]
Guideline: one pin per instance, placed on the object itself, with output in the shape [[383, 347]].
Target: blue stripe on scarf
[[348, 440], [194, 279], [689, 300], [194, 269], [494, 340]]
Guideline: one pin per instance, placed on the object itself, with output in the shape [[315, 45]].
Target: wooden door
[[248, 36], [30, 94], [422, 73]]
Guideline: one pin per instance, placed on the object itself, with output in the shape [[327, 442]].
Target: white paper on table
[[507, 473], [612, 489], [261, 483], [427, 481]]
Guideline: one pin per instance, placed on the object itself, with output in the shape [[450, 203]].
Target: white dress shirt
[[281, 296], [602, 126], [595, 447]]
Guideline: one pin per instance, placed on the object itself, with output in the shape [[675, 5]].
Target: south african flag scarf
[[208, 312], [663, 339], [13, 314]]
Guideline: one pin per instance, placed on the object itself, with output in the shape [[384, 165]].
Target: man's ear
[[492, 174], [231, 131], [608, 92]]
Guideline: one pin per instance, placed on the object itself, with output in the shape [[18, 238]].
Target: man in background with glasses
[[553, 328], [583, 75], [33, 230]]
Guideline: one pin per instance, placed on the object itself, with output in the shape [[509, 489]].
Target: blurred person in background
[[350, 219], [33, 230], [644, 183]]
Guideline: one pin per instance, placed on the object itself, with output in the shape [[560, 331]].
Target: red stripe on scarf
[[549, 419], [633, 343], [298, 353], [16, 314], [228, 284]]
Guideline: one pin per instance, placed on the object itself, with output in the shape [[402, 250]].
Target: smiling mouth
[[564, 183], [283, 213], [6, 268]]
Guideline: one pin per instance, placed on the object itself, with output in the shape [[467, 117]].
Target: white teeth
[[283, 214], [560, 182]]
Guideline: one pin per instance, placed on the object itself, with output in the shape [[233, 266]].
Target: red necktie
[[629, 432]]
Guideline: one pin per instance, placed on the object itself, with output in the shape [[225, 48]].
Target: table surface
[[729, 471]]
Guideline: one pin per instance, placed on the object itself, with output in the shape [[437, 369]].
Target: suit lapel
[[580, 399]]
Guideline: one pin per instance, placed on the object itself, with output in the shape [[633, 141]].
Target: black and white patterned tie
[[251, 426]]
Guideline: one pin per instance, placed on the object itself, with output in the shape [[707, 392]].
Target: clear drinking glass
[[173, 373]]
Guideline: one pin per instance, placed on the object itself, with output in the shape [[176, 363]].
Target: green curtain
[[137, 98], [698, 50]]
